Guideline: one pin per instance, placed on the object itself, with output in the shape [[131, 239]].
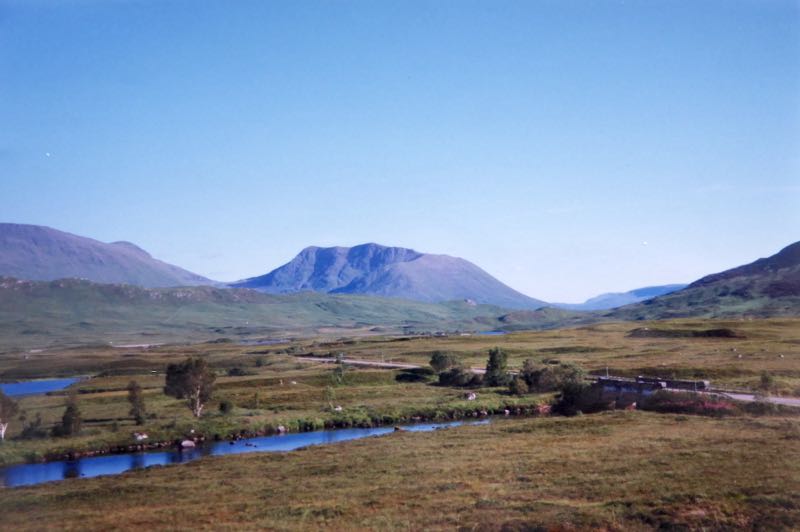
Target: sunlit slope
[[766, 287]]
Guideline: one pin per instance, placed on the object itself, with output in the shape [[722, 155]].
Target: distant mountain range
[[619, 299], [44, 254], [766, 287], [72, 312], [372, 269]]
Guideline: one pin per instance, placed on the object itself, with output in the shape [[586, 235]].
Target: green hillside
[[71, 312]]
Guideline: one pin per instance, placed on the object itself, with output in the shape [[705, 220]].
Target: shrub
[[688, 403], [459, 377], [518, 386], [238, 372], [441, 361], [579, 398], [33, 430]]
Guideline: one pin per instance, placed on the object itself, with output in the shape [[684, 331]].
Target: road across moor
[[737, 396]]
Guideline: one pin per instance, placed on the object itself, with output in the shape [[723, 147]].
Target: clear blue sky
[[546, 141]]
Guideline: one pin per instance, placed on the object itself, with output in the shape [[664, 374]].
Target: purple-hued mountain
[[373, 269], [43, 254]]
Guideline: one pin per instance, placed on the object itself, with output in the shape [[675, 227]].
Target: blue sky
[[567, 147]]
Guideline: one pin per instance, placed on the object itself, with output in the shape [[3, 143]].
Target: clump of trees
[[8, 409], [542, 378], [452, 372], [138, 411], [192, 380]]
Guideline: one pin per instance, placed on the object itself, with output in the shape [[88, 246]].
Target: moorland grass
[[612, 471], [264, 397]]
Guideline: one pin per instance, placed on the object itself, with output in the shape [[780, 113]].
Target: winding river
[[28, 474]]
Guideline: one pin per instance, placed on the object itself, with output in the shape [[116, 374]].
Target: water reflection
[[72, 469]]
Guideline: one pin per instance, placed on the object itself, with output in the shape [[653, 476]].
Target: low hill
[[372, 269], [43, 254], [78, 312], [764, 288]]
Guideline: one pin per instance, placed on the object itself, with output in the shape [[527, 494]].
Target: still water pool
[[17, 389]]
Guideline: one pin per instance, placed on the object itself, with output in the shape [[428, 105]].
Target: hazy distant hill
[[72, 312], [378, 270], [618, 299], [766, 287], [44, 254]]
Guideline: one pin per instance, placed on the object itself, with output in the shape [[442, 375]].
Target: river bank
[[209, 430]]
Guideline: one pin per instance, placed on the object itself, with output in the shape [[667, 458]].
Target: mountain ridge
[[42, 253], [768, 286]]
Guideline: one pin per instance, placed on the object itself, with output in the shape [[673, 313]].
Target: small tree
[[8, 409], [71, 421], [192, 380], [496, 372], [441, 361], [135, 398]]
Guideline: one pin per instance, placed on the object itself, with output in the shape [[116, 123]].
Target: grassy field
[[298, 396], [267, 398], [762, 345], [771, 345], [612, 471]]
